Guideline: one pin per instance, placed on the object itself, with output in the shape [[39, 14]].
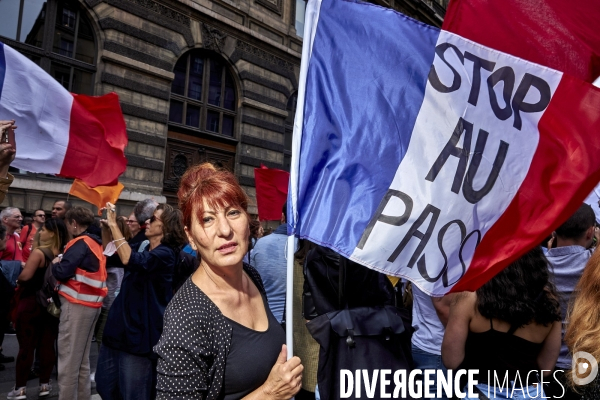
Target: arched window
[[203, 94], [67, 51]]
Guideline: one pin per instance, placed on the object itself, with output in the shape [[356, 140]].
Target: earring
[[193, 245]]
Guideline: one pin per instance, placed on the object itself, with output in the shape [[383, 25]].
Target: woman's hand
[[285, 378], [111, 215]]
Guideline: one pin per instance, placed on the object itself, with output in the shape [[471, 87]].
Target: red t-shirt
[[27, 240], [13, 248]]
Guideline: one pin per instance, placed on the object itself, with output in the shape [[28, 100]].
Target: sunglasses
[[41, 215], [131, 221], [155, 218]]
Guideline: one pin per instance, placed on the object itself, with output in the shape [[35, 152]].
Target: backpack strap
[[48, 254]]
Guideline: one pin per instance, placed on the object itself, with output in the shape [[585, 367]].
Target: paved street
[[7, 377]]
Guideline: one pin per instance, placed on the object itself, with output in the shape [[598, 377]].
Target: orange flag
[[98, 195]]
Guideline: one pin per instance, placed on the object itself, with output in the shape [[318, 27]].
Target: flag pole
[[289, 297]]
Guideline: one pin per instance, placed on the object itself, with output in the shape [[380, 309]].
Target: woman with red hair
[[220, 339]]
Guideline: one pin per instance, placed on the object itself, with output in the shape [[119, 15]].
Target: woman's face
[[71, 227], [221, 237], [154, 226], [45, 235]]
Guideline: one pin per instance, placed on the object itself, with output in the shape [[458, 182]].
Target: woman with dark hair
[[126, 363], [36, 328], [81, 272], [221, 340], [510, 327]]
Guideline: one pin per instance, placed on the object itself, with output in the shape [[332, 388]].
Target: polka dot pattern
[[194, 344]]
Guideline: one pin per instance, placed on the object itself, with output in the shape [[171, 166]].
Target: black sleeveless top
[[501, 352], [251, 356], [31, 286]]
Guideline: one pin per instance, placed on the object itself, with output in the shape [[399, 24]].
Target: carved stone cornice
[[163, 10], [260, 53]]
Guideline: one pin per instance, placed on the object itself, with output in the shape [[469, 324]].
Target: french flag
[[424, 155], [60, 133]]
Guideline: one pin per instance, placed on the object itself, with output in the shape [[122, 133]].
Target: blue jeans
[[425, 360], [121, 375], [528, 392]]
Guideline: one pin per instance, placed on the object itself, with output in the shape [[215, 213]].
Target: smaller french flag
[[61, 133]]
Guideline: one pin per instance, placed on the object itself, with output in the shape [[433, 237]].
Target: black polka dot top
[[194, 344]]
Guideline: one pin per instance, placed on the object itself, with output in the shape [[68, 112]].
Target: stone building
[[198, 80]]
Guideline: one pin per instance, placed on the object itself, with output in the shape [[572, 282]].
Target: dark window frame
[[46, 54], [205, 107]]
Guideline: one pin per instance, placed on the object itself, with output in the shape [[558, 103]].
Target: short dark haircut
[[144, 210], [83, 216], [521, 293], [39, 209], [172, 226], [284, 211], [67, 205], [576, 226], [2, 232]]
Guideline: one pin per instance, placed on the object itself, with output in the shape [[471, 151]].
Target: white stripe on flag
[[450, 211], [41, 108]]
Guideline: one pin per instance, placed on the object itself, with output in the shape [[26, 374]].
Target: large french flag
[[59, 132], [425, 155]]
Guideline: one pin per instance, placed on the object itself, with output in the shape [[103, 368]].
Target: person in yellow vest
[[81, 272]]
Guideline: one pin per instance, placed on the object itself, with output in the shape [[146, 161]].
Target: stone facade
[[138, 44]]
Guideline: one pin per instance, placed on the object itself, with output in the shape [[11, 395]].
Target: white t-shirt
[[429, 330]]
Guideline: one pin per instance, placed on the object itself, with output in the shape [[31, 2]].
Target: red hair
[[219, 188]]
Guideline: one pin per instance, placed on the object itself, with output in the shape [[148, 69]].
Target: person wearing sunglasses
[[126, 363], [28, 232]]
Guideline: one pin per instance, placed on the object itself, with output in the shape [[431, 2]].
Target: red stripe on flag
[[559, 34], [564, 170], [97, 140]]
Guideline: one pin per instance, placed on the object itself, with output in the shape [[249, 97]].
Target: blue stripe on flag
[[366, 82], [2, 68]]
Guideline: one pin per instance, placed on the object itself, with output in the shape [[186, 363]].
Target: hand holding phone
[[8, 148]]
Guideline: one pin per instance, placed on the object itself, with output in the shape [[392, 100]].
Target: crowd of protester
[[189, 303]]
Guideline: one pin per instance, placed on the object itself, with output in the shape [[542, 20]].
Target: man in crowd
[[429, 319], [142, 212], [11, 218], [28, 232], [269, 258], [60, 208], [574, 241]]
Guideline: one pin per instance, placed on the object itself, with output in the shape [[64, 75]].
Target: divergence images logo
[[580, 368]]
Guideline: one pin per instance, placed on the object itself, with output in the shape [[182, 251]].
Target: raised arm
[[7, 155], [123, 248]]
